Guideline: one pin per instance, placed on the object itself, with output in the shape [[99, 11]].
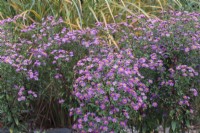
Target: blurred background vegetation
[[84, 13]]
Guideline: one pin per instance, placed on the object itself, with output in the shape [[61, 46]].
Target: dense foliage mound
[[141, 73]]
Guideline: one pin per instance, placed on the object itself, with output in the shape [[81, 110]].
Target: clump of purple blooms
[[111, 83], [150, 76], [152, 73]]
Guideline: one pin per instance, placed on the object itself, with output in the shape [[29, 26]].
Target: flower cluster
[[150, 74], [41, 57], [90, 122], [187, 71], [22, 94], [147, 71]]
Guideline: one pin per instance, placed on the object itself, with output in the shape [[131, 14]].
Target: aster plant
[[148, 77], [153, 79], [37, 72]]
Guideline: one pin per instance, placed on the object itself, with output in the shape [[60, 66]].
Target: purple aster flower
[[154, 104], [102, 106], [195, 93], [61, 101], [124, 101], [123, 124], [98, 119], [136, 107], [114, 120], [22, 98], [78, 111], [105, 122], [90, 130], [112, 89], [181, 102], [105, 128], [80, 126]]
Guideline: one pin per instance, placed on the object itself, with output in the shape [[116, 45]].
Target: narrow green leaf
[[16, 121], [187, 123], [173, 125]]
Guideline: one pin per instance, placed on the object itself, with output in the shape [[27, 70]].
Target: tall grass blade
[[94, 14], [79, 13], [139, 9], [110, 10]]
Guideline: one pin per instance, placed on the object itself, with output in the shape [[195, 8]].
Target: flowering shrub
[[110, 84], [150, 78], [37, 70]]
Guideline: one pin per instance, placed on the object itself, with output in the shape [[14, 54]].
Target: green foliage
[[43, 112], [26, 103], [84, 13]]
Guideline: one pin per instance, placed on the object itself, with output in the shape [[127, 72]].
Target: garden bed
[[101, 79]]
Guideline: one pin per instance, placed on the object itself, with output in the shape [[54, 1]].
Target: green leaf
[[2, 96], [9, 117], [173, 124], [16, 121], [171, 113], [140, 118], [187, 123], [11, 130]]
